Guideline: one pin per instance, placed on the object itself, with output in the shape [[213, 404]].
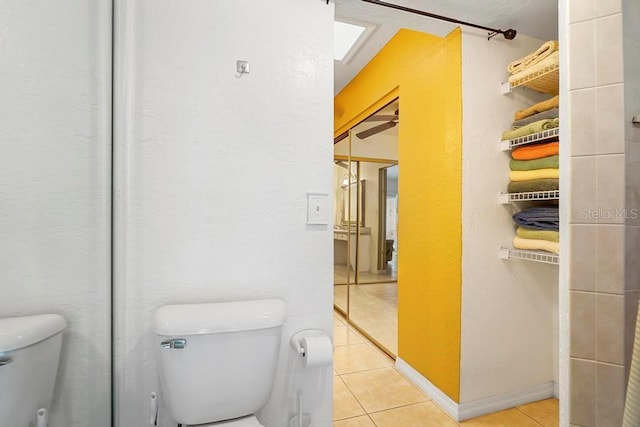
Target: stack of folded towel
[[534, 167], [538, 228], [544, 56]]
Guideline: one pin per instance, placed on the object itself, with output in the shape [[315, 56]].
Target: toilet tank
[[217, 361], [29, 355]]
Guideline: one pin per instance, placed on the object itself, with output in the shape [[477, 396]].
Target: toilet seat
[[250, 421]]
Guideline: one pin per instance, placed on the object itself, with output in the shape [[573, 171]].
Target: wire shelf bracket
[[528, 255], [529, 196], [509, 144]]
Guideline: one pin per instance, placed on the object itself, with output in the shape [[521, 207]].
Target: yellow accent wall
[[425, 72]]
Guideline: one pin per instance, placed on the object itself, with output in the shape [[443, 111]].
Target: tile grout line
[[357, 400], [364, 370], [369, 414], [366, 412], [354, 396], [530, 417], [383, 356], [390, 360]]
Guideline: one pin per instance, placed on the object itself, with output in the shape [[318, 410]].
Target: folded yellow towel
[[538, 108], [536, 244], [542, 52], [526, 233], [549, 60], [534, 174]]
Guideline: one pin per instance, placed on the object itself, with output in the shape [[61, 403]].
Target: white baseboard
[[443, 401], [556, 390], [464, 411], [503, 401]]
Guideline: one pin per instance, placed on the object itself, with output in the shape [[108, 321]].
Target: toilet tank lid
[[23, 331], [211, 318]]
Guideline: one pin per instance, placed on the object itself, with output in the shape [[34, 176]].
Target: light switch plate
[[318, 208]]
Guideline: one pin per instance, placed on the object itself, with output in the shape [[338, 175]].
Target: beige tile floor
[[370, 392]]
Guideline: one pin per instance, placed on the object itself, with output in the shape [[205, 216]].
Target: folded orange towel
[[538, 108], [536, 151]]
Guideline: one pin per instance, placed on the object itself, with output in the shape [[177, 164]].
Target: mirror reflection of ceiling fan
[[390, 121]]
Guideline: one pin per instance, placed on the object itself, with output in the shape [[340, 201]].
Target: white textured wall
[[508, 328], [212, 173], [55, 65]]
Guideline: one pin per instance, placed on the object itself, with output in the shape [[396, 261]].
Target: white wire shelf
[[545, 80], [509, 144], [529, 255], [529, 196]]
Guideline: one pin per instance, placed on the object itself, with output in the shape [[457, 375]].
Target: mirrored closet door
[[366, 218], [55, 186]]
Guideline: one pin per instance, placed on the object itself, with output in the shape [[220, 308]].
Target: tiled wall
[[603, 262], [631, 42]]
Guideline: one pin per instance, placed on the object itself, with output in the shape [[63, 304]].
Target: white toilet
[[29, 355], [218, 360]]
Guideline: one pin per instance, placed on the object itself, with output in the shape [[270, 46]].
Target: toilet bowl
[[217, 361]]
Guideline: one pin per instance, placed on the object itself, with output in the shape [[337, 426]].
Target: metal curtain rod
[[509, 34]]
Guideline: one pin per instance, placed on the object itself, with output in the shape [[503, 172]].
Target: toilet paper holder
[[305, 333]]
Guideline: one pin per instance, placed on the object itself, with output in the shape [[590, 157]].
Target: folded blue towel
[[539, 218]]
